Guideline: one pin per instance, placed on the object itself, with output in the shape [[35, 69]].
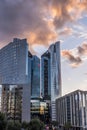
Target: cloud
[[82, 50], [38, 20], [61, 12], [77, 55], [25, 17], [74, 61], [67, 11], [65, 32]]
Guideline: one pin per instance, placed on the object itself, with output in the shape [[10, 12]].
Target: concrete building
[[51, 76], [72, 109], [15, 69], [12, 99]]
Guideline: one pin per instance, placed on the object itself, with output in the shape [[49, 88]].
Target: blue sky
[[75, 77], [43, 22]]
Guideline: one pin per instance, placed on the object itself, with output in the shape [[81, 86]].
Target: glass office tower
[[35, 77], [15, 69], [51, 73], [45, 76]]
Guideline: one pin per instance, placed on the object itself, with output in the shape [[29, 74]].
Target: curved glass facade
[[51, 76], [55, 67]]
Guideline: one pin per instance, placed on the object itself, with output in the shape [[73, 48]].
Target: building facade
[[35, 77], [40, 109], [51, 76], [12, 99], [72, 109], [45, 76], [15, 69]]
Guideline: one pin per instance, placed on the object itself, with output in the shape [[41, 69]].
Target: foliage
[[13, 126], [36, 124], [2, 121], [25, 125], [54, 123], [2, 117], [67, 125]]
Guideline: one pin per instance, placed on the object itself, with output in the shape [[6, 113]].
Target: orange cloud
[[66, 31], [82, 50], [42, 37], [76, 56], [38, 20], [74, 61], [67, 11]]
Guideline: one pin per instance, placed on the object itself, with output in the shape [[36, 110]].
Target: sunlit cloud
[[42, 21], [74, 61], [66, 32], [82, 50], [80, 31], [76, 56]]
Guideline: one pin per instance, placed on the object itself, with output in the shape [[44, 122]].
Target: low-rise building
[[72, 109]]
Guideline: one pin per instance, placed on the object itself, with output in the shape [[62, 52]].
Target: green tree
[[13, 126], [36, 124], [54, 123], [67, 126], [2, 122], [25, 125]]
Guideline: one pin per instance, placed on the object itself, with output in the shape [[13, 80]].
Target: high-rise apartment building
[[72, 109], [51, 76], [15, 69]]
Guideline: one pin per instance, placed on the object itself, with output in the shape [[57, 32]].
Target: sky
[[44, 22]]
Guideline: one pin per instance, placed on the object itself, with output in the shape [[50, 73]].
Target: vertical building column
[[82, 109], [53, 110], [74, 112], [26, 103], [86, 107]]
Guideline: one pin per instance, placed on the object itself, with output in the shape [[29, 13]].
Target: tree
[[36, 124], [13, 126], [54, 123], [25, 125], [67, 126], [2, 122]]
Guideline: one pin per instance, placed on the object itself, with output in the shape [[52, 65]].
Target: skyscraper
[[35, 77], [45, 76], [15, 69], [51, 75]]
